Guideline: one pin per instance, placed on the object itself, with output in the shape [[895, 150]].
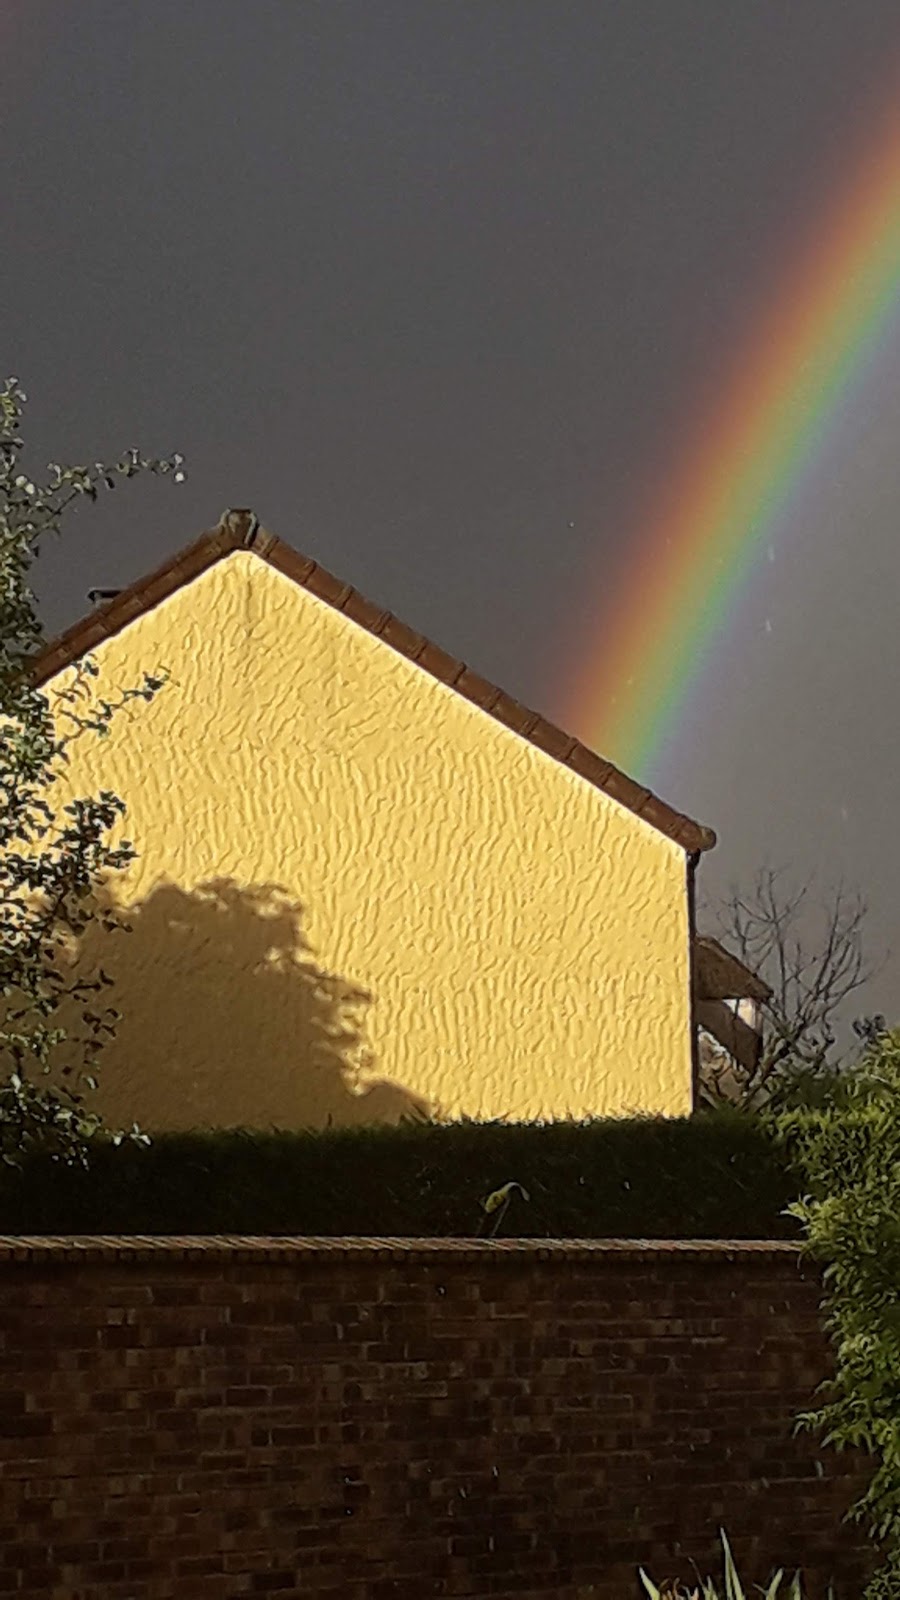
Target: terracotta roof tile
[[132, 605], [239, 530], [589, 765], [53, 659], [477, 689], [552, 740], [513, 714], [401, 638], [441, 664], [365, 613], [326, 587], [657, 813], [285, 560], [622, 788]]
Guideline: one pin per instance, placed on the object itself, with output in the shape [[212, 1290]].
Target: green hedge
[[710, 1176]]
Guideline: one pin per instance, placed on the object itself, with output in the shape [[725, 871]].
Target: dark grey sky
[[433, 286]]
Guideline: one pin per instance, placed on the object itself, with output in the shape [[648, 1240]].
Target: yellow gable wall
[[356, 894]]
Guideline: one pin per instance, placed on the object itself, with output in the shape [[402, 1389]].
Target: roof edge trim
[[241, 530]]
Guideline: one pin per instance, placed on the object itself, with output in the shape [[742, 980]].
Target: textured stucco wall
[[357, 894]]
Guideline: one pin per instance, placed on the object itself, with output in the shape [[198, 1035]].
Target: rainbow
[[686, 567]]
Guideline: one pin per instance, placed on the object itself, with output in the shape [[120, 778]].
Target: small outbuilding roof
[[721, 976]]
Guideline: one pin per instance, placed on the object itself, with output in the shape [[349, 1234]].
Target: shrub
[[849, 1155], [45, 1074]]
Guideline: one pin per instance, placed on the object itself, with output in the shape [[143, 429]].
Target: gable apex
[[241, 530]]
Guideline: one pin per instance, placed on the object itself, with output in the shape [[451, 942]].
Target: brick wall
[[379, 1419]]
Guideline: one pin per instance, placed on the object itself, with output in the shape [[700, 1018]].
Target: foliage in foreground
[[733, 1589], [850, 1157], [44, 1072]]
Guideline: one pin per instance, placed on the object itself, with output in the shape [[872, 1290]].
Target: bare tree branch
[[809, 986]]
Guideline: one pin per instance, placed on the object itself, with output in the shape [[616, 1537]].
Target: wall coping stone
[[237, 1247]]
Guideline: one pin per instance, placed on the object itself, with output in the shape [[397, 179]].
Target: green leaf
[[42, 894], [651, 1588]]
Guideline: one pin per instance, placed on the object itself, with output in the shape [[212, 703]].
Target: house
[[728, 1001], [368, 883]]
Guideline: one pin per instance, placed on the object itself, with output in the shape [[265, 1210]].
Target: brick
[[191, 1425]]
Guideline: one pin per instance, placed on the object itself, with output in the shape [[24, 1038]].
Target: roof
[[240, 530], [721, 976]]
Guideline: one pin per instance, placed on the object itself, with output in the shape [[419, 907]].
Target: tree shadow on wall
[[226, 1019]]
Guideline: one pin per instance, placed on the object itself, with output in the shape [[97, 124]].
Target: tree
[[44, 1074], [809, 984], [849, 1156]]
